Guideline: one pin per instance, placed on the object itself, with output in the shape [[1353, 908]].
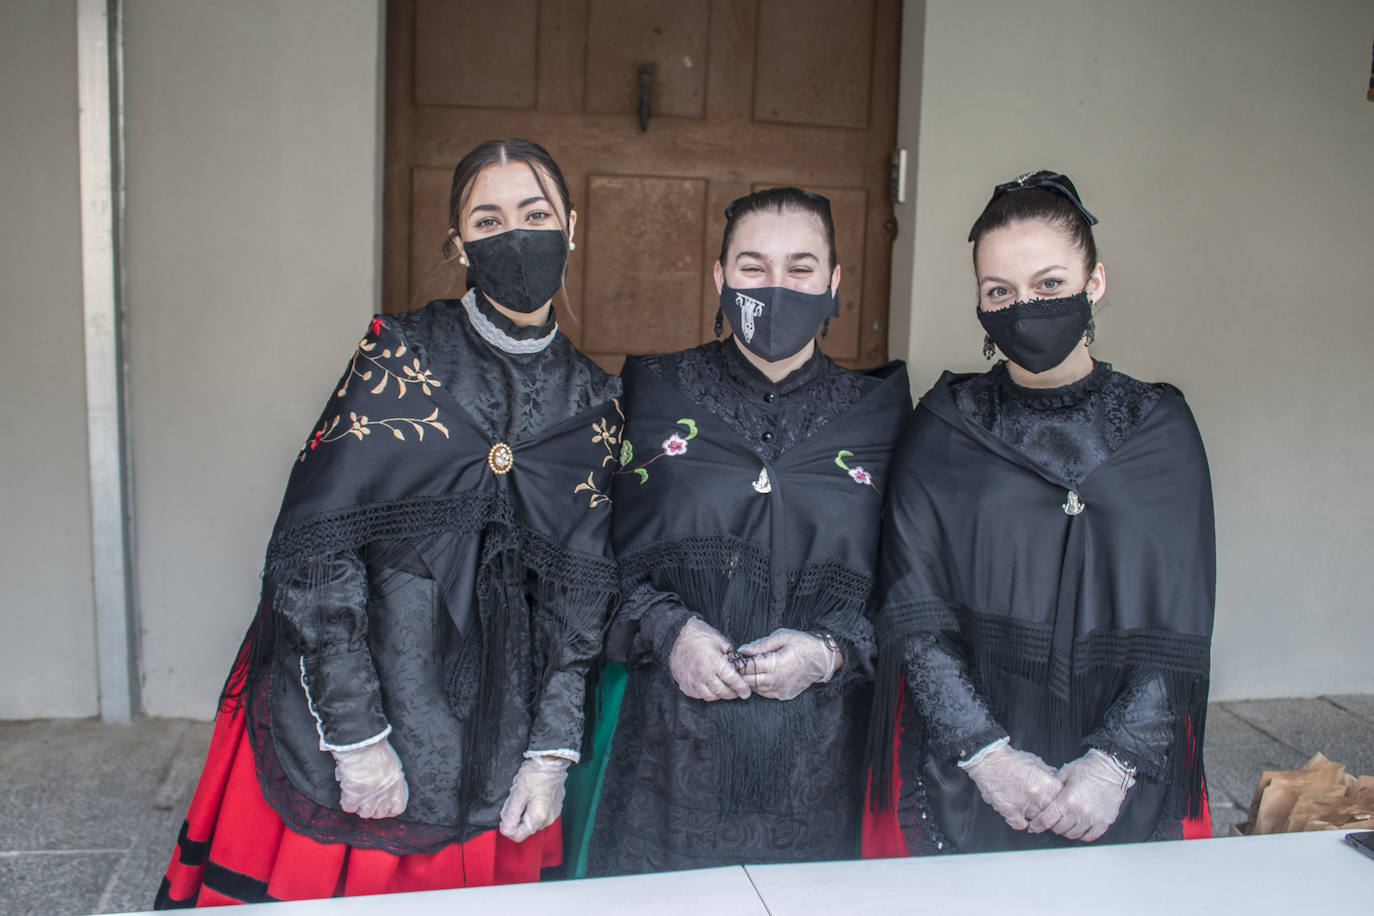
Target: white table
[[1292, 873]]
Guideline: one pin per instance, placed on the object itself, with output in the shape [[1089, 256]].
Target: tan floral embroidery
[[410, 374], [361, 425], [608, 436], [364, 366]]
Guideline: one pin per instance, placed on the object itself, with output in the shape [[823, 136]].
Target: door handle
[[646, 91]]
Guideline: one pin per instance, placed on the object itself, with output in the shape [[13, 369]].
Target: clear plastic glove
[[1095, 785], [536, 797], [785, 662], [1017, 784], [371, 781], [700, 664]]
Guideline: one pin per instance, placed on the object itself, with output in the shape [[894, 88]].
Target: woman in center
[[746, 526]]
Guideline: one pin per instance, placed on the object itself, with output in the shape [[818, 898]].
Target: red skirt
[[881, 834], [234, 848]]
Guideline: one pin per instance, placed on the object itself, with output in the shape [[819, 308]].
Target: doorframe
[[100, 132], [901, 293]]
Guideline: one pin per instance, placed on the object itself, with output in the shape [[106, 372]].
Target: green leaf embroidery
[[841, 456]]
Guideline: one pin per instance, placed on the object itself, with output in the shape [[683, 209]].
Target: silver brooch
[[1074, 505], [763, 484]]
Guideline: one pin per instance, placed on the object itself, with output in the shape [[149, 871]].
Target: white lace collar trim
[[499, 338]]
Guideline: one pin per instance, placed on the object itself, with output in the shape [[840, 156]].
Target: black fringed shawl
[[1052, 611], [749, 545], [485, 597]]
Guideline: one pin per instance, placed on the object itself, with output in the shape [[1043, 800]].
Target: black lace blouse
[[773, 417], [1067, 431]]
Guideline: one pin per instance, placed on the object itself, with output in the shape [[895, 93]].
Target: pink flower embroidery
[[860, 476], [674, 445], [375, 327]]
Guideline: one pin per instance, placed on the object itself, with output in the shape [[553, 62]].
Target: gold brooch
[[500, 459]]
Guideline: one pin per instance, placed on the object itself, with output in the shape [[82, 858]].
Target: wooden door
[[744, 94]]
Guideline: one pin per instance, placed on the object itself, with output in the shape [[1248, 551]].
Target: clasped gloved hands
[[1095, 786], [1017, 784], [371, 781], [701, 664], [536, 797], [785, 662]]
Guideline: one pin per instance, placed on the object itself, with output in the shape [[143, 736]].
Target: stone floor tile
[[1309, 726], [1361, 705], [1223, 816], [54, 884], [1226, 729], [134, 883], [1233, 773], [81, 784]]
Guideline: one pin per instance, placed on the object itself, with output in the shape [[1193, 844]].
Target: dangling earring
[[825, 328], [720, 321], [572, 246], [463, 259], [1090, 332], [989, 348]]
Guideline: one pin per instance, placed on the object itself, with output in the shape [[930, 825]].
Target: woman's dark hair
[[779, 200], [1042, 195], [500, 152]]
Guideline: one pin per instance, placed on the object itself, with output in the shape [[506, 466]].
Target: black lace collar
[[1051, 398], [746, 375]]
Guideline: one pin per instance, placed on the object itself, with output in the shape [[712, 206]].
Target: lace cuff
[[559, 719], [1138, 729], [566, 753], [645, 627], [959, 721], [984, 751], [345, 701]]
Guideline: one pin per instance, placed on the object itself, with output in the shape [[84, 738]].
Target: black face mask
[[520, 269], [1039, 334], [774, 322]]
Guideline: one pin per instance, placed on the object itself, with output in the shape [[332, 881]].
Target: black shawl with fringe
[[1058, 603], [749, 544], [411, 587]]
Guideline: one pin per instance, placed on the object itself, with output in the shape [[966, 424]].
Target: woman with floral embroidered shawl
[[404, 708], [746, 526]]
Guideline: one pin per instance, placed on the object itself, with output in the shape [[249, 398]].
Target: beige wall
[[1226, 145], [253, 251], [1229, 151], [47, 655]]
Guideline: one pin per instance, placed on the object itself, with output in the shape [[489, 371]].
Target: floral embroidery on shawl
[[366, 364]]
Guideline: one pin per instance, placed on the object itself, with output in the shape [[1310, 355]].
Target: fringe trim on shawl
[[726, 581], [525, 580], [1012, 660]]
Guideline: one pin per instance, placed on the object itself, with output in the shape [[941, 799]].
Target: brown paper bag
[[1320, 796]]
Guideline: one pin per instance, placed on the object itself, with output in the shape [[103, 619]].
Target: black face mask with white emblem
[[774, 322], [1039, 334], [520, 269]]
